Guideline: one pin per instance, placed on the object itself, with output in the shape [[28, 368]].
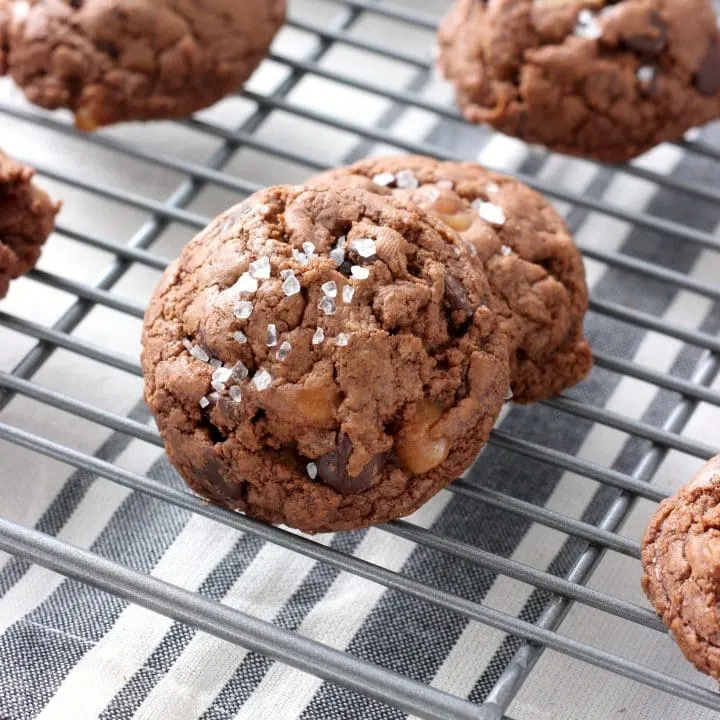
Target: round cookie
[[324, 358], [116, 60], [525, 251], [27, 217], [681, 560], [601, 79]]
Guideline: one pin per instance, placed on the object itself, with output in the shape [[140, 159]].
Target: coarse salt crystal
[[220, 387], [359, 273], [204, 402], [239, 370], [199, 354], [309, 249], [492, 187], [240, 337], [365, 247], [291, 286], [384, 179], [506, 250], [243, 310], [312, 470], [348, 293], [246, 284], [215, 363], [342, 340], [283, 351], [301, 257], [272, 338], [341, 242], [407, 180], [646, 74], [262, 380], [490, 212], [338, 256], [329, 288], [236, 393], [284, 274], [188, 345], [260, 269], [587, 26], [327, 306], [222, 375], [318, 337]]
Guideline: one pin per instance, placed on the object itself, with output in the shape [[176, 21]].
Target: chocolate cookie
[[114, 60], [26, 220], [324, 358], [520, 243], [681, 559], [601, 79]]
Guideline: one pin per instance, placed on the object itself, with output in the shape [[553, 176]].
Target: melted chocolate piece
[[332, 469], [456, 297], [212, 477], [650, 44], [707, 79]]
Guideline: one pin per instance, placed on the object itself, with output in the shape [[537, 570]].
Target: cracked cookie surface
[[681, 560], [117, 60], [520, 244], [324, 358], [27, 217], [606, 80]]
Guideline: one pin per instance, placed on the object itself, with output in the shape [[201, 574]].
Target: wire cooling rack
[[168, 179]]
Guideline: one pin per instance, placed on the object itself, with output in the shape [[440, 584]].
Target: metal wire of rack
[[601, 537]]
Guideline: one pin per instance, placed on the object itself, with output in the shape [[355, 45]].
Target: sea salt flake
[[246, 284], [365, 247], [342, 340], [239, 370], [506, 250], [587, 26], [204, 402], [348, 293], [359, 273], [327, 306], [240, 337], [407, 180], [338, 256], [262, 380], [384, 179], [199, 354], [284, 351], [318, 337], [329, 289], [272, 338], [309, 249], [236, 393], [291, 286], [243, 310], [222, 374], [490, 212], [260, 269], [312, 470]]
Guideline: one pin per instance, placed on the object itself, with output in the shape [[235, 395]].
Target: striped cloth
[[69, 652]]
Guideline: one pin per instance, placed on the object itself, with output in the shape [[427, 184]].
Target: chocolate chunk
[[651, 44], [456, 297], [212, 476], [332, 469], [707, 79]]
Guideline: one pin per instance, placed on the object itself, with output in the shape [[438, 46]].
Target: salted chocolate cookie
[[27, 217], [519, 242], [115, 60], [681, 560], [324, 358], [597, 78]]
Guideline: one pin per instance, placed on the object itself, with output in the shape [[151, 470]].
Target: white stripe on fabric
[[207, 663], [102, 672], [335, 620]]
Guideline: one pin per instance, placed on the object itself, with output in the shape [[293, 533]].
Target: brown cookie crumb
[[520, 243], [116, 60], [307, 364], [681, 560], [606, 80], [27, 218]]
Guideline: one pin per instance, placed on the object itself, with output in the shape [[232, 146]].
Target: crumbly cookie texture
[[519, 243], [681, 560], [601, 79], [27, 217], [116, 60], [324, 358]]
